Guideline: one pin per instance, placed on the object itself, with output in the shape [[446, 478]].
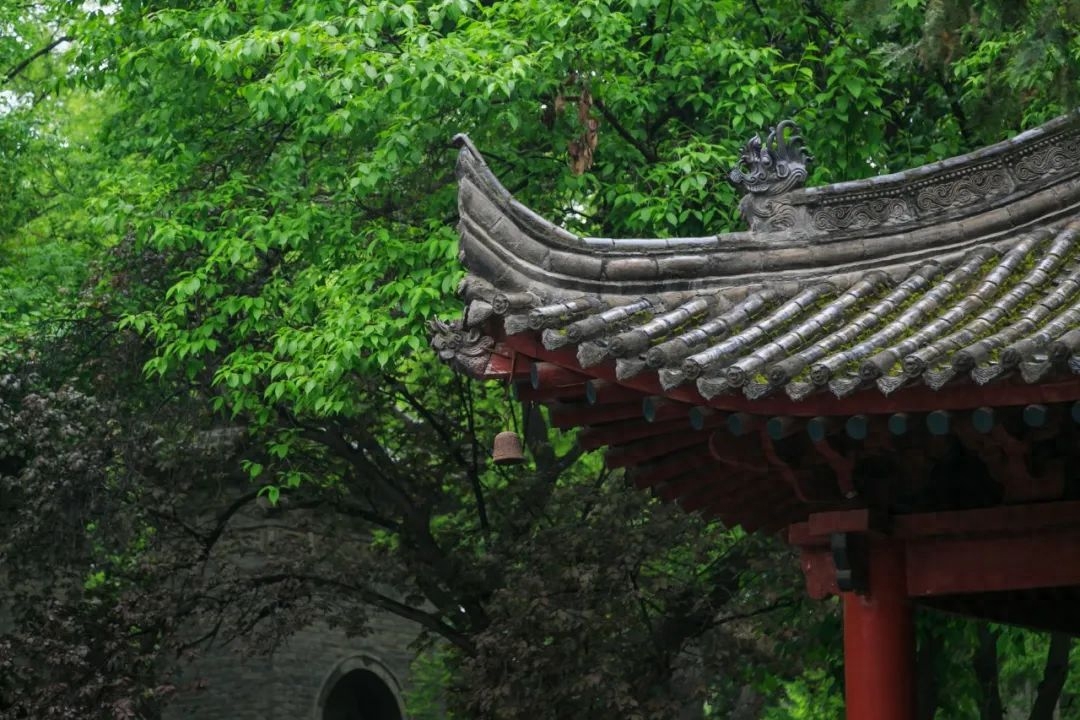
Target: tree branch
[[1054, 676], [471, 468], [926, 676], [175, 519], [985, 663], [779, 604], [347, 509], [335, 442], [21, 66], [223, 519], [646, 151], [474, 467], [643, 608], [416, 520], [689, 616], [383, 602]]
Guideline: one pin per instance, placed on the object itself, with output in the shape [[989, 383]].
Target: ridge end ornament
[[767, 169], [466, 350]]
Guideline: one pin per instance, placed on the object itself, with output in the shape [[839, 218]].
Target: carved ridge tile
[[1052, 157], [915, 200], [871, 212], [970, 186], [944, 191]]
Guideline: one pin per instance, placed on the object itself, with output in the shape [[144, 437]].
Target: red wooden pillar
[[879, 640]]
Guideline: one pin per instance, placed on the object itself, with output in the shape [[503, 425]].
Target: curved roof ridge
[[957, 187], [891, 222]]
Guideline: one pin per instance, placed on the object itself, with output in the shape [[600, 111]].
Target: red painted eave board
[[918, 398]]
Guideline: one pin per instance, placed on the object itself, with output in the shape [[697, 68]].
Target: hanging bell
[[507, 449]]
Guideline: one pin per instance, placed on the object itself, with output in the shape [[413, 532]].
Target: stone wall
[[293, 682], [224, 684]]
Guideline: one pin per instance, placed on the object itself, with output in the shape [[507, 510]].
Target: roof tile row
[[986, 315]]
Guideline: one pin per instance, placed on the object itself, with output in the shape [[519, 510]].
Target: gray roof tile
[[967, 268]]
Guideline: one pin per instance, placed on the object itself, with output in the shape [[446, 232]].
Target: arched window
[[360, 689]]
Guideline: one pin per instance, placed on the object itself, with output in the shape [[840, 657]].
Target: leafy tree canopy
[[223, 228]]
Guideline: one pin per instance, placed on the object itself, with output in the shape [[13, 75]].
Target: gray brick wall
[[288, 685]]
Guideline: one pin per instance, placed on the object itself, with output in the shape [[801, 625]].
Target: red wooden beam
[[703, 418], [508, 367], [706, 496], [619, 433], [738, 453], [819, 571], [628, 455], [842, 466], [656, 409], [970, 551], [1004, 519], [760, 506], [740, 423], [685, 485], [573, 415], [738, 496], [862, 520], [670, 466], [992, 563], [781, 426], [550, 375], [603, 392], [547, 394], [783, 517], [769, 517], [917, 398]]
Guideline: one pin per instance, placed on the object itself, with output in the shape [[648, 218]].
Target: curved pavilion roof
[[965, 269], [764, 375]]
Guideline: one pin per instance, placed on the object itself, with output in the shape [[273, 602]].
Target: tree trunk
[[748, 706], [684, 682], [926, 676], [986, 674], [1053, 680]]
